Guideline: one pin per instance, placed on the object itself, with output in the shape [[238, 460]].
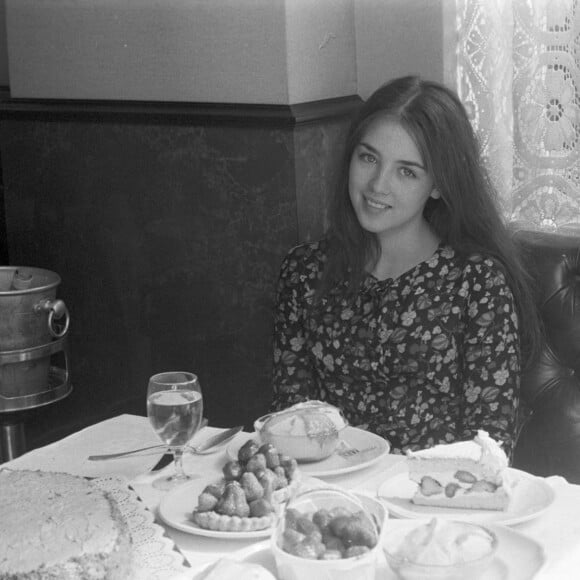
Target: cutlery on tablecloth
[[201, 448], [348, 451]]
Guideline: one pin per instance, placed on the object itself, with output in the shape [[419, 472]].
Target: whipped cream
[[442, 542], [482, 449], [312, 418]]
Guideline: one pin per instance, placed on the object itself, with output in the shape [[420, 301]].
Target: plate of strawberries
[[242, 503]]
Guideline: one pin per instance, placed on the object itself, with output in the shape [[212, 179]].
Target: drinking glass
[[175, 409]]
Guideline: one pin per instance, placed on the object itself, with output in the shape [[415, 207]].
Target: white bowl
[[307, 432], [361, 567]]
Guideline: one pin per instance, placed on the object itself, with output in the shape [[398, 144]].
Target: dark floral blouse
[[429, 357]]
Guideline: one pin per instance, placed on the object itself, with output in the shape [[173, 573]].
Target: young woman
[[412, 313]]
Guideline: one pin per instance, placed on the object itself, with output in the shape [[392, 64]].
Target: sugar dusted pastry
[[55, 525]]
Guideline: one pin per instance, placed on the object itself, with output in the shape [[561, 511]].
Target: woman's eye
[[367, 157], [408, 172]]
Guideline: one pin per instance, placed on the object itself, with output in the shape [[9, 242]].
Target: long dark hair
[[466, 216]]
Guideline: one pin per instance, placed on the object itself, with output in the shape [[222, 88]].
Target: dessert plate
[[372, 449], [518, 557], [531, 497], [176, 507]]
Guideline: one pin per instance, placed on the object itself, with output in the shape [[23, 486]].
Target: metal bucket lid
[[39, 280]]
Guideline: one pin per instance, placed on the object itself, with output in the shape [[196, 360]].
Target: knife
[[213, 441]]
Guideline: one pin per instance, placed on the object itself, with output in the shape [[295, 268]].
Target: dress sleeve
[[293, 374], [491, 378]]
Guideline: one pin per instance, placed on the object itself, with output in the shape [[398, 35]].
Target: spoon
[[204, 447]]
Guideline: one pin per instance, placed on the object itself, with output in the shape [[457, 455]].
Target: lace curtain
[[517, 71]]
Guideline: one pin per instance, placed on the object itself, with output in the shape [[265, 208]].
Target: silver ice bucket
[[33, 328]]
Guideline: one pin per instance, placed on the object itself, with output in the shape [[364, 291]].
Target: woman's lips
[[376, 204]]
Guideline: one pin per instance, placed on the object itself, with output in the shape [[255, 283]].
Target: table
[[557, 530]]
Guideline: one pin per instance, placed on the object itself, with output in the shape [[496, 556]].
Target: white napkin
[[70, 455], [558, 531], [228, 569]]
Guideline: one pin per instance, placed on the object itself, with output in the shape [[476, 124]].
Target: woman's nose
[[381, 181]]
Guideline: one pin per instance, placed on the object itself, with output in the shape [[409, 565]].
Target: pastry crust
[[212, 520], [222, 523]]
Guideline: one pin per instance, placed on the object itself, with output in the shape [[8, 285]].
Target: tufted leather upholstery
[[549, 442]]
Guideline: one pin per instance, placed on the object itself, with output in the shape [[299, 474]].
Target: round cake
[[58, 526]]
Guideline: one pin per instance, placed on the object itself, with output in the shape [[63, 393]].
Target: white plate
[[335, 464], [176, 507], [531, 497], [518, 557]]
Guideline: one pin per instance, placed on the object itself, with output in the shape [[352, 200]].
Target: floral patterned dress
[[426, 358]]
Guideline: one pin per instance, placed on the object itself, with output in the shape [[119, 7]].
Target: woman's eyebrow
[[401, 161]]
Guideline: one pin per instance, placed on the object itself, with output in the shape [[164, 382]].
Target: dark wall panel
[[168, 238]]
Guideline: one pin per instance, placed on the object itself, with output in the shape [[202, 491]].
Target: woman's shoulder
[[483, 269], [474, 265], [485, 263], [307, 254]]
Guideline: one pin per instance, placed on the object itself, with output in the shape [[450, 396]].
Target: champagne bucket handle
[[56, 310]]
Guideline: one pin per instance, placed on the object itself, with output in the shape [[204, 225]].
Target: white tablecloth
[[557, 530]]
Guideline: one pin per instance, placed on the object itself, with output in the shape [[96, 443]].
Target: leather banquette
[[549, 441]]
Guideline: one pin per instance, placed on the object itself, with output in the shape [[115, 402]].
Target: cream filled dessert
[[466, 474], [308, 431], [440, 549], [444, 543], [58, 526]]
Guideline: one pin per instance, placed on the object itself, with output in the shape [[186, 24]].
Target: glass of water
[[175, 409]]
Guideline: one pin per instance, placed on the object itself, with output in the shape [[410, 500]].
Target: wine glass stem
[[178, 459]]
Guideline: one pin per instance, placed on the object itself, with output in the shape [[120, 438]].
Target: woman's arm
[[293, 376], [491, 373]]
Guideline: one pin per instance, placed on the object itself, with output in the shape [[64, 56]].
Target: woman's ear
[[435, 194]]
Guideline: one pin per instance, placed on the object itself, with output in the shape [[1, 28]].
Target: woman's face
[[388, 182]]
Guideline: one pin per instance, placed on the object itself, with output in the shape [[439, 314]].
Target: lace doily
[[155, 555]]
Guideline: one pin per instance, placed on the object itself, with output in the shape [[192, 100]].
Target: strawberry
[[310, 548], [206, 502], [482, 485], [451, 489], [465, 476], [355, 551], [430, 486], [260, 507]]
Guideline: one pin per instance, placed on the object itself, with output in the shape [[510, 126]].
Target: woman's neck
[[399, 255]]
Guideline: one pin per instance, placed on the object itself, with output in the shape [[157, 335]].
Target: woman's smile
[[389, 184], [376, 204]]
